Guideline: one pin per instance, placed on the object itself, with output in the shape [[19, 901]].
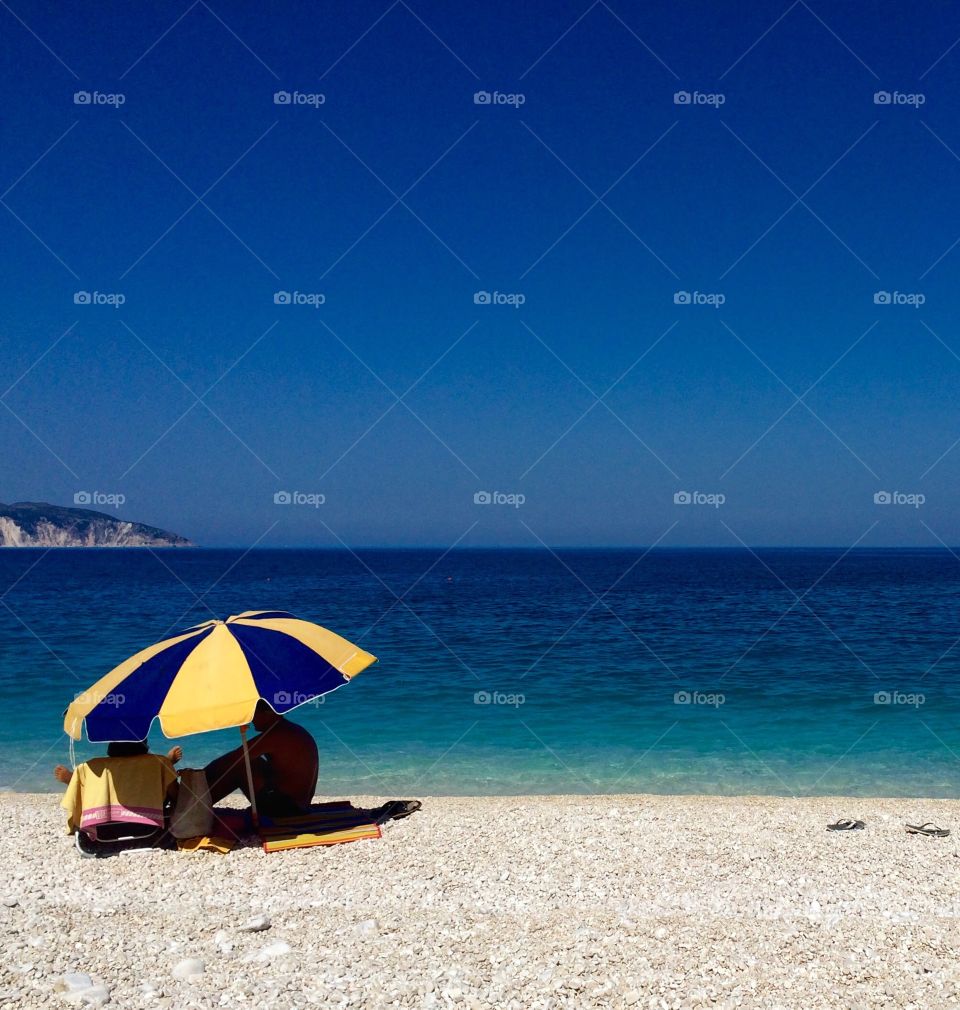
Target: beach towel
[[282, 840], [127, 790], [329, 824], [193, 814]]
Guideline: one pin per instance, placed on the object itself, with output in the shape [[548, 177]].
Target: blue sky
[[782, 186]]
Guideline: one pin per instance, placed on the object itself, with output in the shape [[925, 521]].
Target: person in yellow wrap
[[128, 786]]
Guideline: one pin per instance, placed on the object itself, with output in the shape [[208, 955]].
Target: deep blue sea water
[[790, 672]]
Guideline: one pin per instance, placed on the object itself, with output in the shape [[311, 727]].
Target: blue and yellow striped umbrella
[[212, 676]]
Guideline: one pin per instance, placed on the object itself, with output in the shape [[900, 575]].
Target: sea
[[506, 672]]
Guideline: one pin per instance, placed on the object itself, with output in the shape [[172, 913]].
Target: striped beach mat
[[328, 824]]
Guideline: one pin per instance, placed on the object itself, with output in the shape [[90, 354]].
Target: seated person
[[130, 786], [284, 762]]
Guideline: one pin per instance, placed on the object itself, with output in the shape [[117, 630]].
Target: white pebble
[[73, 982], [189, 968], [269, 952], [79, 989]]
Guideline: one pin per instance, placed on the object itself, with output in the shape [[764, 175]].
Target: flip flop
[[846, 824], [396, 810], [929, 829]]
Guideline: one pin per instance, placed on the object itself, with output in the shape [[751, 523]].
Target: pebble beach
[[507, 902]]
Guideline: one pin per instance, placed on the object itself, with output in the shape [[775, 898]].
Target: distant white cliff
[[39, 524]]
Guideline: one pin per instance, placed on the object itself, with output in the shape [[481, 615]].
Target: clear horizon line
[[494, 547]]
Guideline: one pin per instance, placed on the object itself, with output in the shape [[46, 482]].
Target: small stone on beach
[[78, 988], [269, 952], [189, 968], [73, 982]]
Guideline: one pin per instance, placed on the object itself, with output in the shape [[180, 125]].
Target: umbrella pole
[[246, 760]]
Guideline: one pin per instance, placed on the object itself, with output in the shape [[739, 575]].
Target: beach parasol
[[212, 675]]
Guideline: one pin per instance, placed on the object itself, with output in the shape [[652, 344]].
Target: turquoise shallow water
[[523, 671]]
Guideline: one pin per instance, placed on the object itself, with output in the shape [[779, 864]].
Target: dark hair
[[123, 749]]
